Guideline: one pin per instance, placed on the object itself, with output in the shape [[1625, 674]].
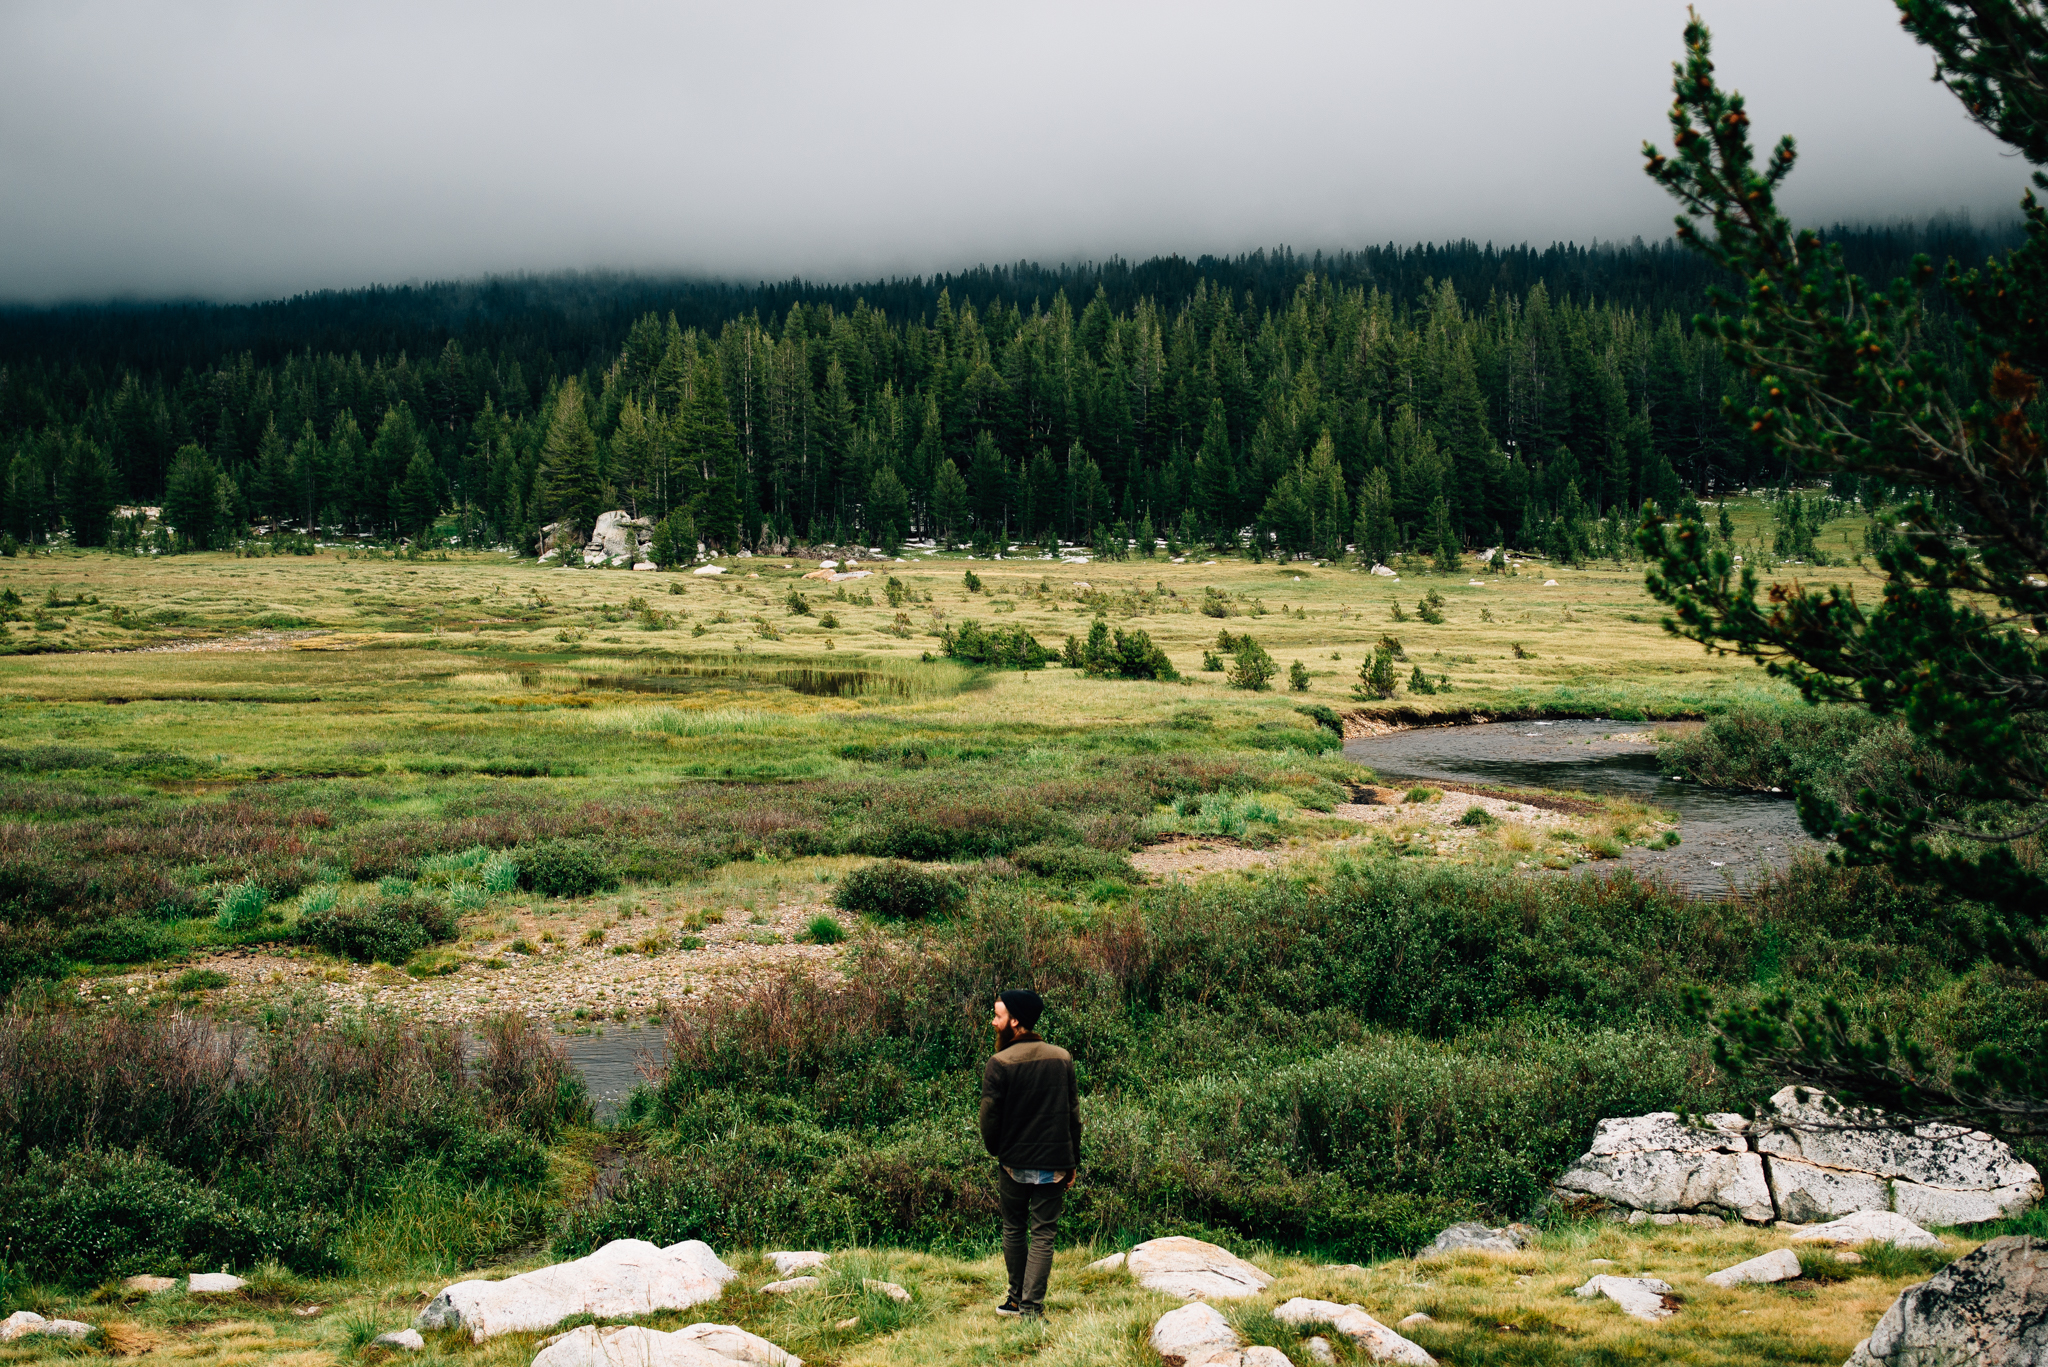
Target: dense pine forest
[[1428, 399]]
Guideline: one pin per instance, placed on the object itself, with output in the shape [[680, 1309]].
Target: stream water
[[1726, 839]]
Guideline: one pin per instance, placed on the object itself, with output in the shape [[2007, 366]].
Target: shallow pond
[[609, 1058], [1726, 839]]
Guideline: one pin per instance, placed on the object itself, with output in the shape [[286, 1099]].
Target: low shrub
[[1476, 815], [563, 868], [94, 1214], [121, 940], [1003, 647], [1072, 863], [387, 930], [824, 930], [199, 980], [897, 890]]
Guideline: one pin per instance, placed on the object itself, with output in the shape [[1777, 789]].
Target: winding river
[[1726, 839]]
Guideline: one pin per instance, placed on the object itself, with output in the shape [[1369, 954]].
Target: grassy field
[[1320, 1018]]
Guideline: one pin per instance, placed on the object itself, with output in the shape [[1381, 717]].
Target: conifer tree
[[189, 496], [86, 481], [1375, 535], [1958, 646], [949, 504], [419, 497], [1216, 476], [712, 444], [569, 487]]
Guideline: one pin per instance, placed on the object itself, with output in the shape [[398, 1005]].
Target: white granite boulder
[[1191, 1335], [626, 1277], [1113, 1263], [1824, 1165], [617, 536], [400, 1341], [214, 1283], [1989, 1308], [1662, 1164], [1193, 1270], [1868, 1227], [1374, 1339], [24, 1323], [700, 1345], [1644, 1297], [1779, 1265], [889, 1289]]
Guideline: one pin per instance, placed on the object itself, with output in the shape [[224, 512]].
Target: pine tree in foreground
[[1958, 645]]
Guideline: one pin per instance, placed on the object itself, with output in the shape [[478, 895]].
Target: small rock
[[402, 1340], [1378, 1342], [1786, 1224], [853, 1323], [1319, 1349], [1415, 1320], [1846, 1256], [786, 1263], [1600, 1262], [889, 1289], [1263, 1356], [1194, 1333], [1869, 1227], [1113, 1263], [149, 1285], [1511, 1239], [23, 1323], [306, 1312], [699, 1345], [784, 1287], [214, 1283], [1644, 1297], [1779, 1265], [1664, 1219]]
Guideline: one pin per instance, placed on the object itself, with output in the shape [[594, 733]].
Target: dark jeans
[[1028, 1256]]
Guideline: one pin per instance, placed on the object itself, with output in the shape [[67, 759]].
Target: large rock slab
[[700, 1345], [1668, 1181], [617, 536], [625, 1278], [1779, 1265], [214, 1283], [1644, 1297], [1805, 1192], [1189, 1336], [1826, 1166], [1378, 1342], [1990, 1309], [1868, 1227], [1194, 1270]]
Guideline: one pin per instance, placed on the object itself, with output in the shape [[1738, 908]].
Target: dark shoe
[[1010, 1307], [1032, 1314]]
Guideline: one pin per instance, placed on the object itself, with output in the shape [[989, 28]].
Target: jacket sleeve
[[1074, 1110], [992, 1079]]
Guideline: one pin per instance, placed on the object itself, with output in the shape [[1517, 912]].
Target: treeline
[[1393, 398]]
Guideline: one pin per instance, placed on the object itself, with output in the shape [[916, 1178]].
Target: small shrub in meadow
[[1477, 816], [898, 890], [1297, 677], [500, 875], [563, 868], [824, 930], [388, 930], [1071, 863], [198, 980]]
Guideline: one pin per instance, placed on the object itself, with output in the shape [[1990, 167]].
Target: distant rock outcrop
[[1507, 1239], [1801, 1164]]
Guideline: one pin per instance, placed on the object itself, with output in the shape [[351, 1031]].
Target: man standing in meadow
[[1031, 1124]]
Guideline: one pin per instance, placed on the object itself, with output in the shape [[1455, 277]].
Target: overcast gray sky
[[251, 150]]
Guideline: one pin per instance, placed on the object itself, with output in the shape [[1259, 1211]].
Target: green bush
[[1324, 717], [120, 940], [1124, 655], [1476, 815], [563, 868], [824, 930], [94, 1214], [387, 930], [1251, 668], [1072, 863], [1004, 647], [199, 980], [897, 890]]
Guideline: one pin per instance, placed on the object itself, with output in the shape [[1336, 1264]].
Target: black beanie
[[1024, 1005]]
